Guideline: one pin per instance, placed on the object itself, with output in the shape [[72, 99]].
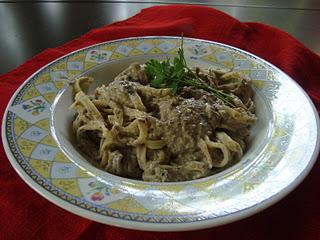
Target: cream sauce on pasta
[[131, 129]]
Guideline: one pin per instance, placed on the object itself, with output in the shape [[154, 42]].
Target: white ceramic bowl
[[37, 137]]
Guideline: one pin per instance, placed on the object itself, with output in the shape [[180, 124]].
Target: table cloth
[[24, 214]]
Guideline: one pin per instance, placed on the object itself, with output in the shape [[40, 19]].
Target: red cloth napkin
[[26, 215]]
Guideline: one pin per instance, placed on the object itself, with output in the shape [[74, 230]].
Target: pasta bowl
[[39, 142]]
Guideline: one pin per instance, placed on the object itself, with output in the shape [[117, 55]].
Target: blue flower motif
[[92, 184]]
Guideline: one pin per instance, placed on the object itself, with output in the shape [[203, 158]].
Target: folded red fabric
[[26, 215]]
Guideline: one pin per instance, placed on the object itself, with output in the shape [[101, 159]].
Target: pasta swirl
[[131, 129]]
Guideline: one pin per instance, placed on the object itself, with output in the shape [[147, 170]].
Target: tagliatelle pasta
[[131, 129]]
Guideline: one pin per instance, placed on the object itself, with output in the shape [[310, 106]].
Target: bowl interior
[[62, 116]]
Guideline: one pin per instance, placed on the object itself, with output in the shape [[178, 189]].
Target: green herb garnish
[[177, 75]]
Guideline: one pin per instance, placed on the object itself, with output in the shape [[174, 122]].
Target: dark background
[[27, 28]]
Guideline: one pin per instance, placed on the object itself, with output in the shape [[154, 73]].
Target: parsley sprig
[[163, 74]]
